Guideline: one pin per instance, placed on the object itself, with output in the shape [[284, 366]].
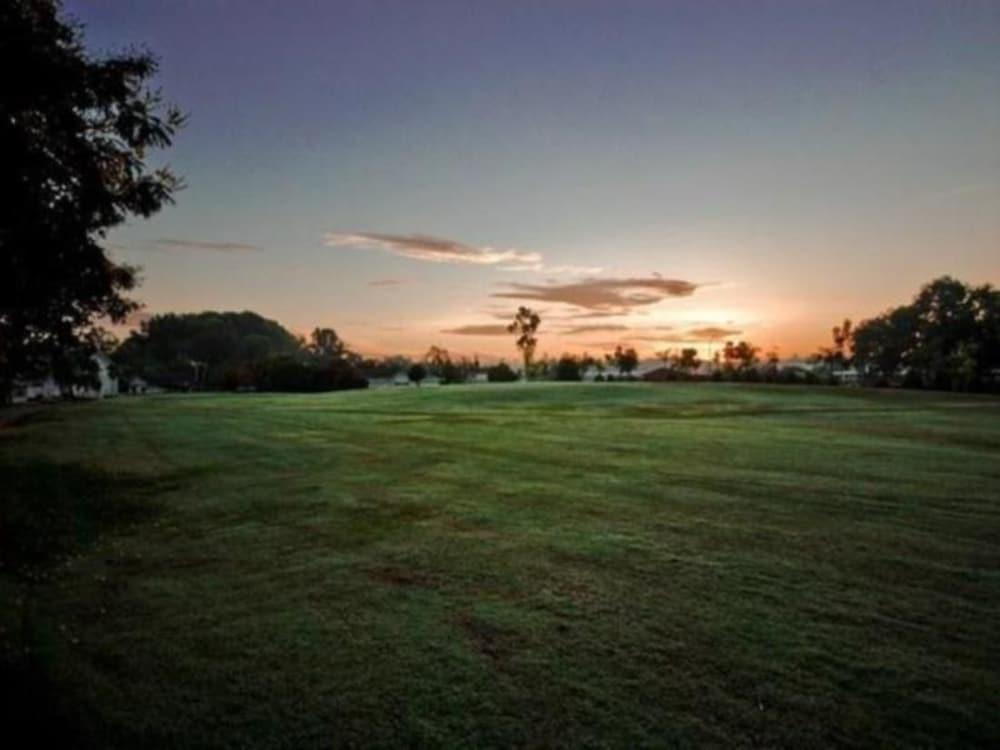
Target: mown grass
[[551, 565]]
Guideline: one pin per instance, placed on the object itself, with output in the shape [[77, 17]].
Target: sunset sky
[[641, 172]]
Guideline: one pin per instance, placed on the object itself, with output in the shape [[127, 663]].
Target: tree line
[[75, 139], [947, 338], [235, 351]]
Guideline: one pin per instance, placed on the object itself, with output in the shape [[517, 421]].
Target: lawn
[[549, 565]]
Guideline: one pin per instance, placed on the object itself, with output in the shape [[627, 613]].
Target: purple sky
[[389, 168]]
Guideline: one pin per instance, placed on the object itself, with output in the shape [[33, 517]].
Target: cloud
[[385, 282], [486, 329], [596, 314], [566, 269], [594, 329], [218, 247], [712, 333], [432, 249], [693, 336], [603, 295]]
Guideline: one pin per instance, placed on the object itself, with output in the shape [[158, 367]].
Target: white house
[[644, 366], [36, 390], [802, 365], [48, 389], [848, 376]]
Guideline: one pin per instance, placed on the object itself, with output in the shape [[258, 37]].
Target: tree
[[948, 337], [741, 356], [625, 359], [225, 345], [882, 344], [687, 361], [501, 373], [385, 367], [436, 359], [416, 373], [325, 345], [838, 356], [524, 325], [75, 131], [665, 356], [771, 366], [453, 372], [440, 362], [568, 367], [298, 374], [842, 340]]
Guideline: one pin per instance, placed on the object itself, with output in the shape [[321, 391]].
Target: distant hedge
[[293, 374]]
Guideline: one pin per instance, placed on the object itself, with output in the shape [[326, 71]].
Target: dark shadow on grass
[[49, 511]]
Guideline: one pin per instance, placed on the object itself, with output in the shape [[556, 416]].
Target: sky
[[660, 174]]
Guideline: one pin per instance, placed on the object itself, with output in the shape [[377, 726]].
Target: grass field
[[549, 565]]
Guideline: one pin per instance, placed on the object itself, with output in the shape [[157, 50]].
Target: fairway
[[547, 565]]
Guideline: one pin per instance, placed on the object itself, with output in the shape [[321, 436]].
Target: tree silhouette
[[75, 131], [525, 324], [416, 373], [326, 345], [437, 358], [626, 359], [838, 355], [742, 356], [948, 337], [687, 361]]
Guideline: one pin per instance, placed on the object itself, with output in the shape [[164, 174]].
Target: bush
[[416, 373], [288, 373], [501, 373], [568, 368]]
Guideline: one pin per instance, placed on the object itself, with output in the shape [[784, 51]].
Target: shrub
[[293, 374], [568, 368], [501, 373], [417, 372]]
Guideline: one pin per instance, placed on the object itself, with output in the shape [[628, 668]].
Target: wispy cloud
[[485, 329], [431, 249], [693, 336], [218, 247], [385, 282], [603, 295], [603, 328], [713, 333], [568, 270], [655, 339], [597, 314]]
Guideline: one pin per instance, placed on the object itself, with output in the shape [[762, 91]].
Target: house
[[47, 389], [401, 378], [800, 365], [138, 386], [107, 383], [849, 376], [591, 373], [37, 390]]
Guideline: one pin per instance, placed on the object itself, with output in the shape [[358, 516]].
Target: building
[[47, 389]]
